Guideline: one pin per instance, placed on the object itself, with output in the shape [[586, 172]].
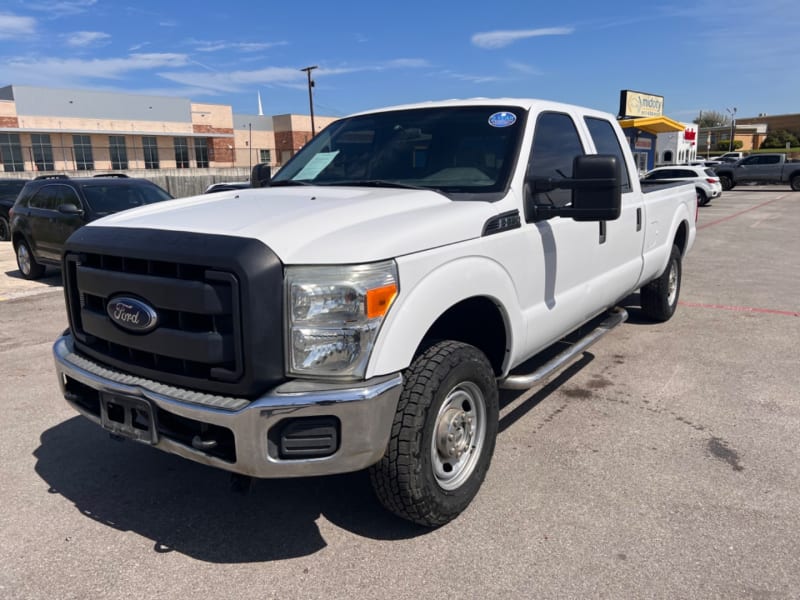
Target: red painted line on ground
[[741, 212], [769, 311]]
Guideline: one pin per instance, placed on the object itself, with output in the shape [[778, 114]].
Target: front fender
[[425, 295]]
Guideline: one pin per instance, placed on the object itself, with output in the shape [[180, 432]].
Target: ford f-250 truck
[[362, 308], [760, 168]]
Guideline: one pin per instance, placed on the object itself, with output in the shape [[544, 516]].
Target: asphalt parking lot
[[664, 464]]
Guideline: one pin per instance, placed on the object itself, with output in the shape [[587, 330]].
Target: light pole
[[250, 145], [732, 112], [310, 97]]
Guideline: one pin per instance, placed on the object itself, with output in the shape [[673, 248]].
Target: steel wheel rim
[[672, 283], [459, 433], [24, 259]]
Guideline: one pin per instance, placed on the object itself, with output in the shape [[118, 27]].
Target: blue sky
[[701, 55]]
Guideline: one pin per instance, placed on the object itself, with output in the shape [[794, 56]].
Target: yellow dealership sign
[[639, 104]]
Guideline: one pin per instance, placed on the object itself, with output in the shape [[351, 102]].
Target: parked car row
[[50, 208]]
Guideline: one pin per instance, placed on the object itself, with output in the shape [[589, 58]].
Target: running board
[[617, 316]]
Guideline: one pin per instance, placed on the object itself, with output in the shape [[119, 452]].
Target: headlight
[[333, 316]]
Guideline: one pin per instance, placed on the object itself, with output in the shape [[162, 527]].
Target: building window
[[84, 161], [668, 156], [42, 151], [11, 152], [181, 153], [118, 151], [201, 152], [150, 147], [265, 156]]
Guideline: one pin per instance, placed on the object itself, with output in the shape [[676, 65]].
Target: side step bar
[[617, 316]]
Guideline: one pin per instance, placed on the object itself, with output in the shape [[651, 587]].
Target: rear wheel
[[442, 438], [702, 198], [28, 266], [659, 298], [795, 183], [5, 230]]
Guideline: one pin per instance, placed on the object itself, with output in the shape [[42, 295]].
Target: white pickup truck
[[362, 308]]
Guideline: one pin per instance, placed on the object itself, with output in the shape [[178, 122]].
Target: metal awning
[[653, 124]]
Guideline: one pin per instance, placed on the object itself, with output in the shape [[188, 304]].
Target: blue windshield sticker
[[502, 119]]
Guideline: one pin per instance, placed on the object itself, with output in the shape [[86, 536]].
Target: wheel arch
[[471, 300]]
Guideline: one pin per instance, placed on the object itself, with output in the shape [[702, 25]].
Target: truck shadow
[[185, 507], [52, 277], [189, 508]]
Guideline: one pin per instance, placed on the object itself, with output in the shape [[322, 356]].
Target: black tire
[[795, 183], [727, 182], [28, 267], [659, 298], [442, 438], [5, 230], [702, 199]]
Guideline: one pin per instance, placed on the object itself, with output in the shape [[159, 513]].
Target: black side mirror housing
[[260, 175], [69, 209], [596, 190]]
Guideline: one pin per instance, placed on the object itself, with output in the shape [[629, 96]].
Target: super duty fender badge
[[132, 314], [502, 119]]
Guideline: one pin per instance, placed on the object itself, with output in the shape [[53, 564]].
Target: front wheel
[[795, 183], [442, 438], [659, 298], [27, 264], [726, 181]]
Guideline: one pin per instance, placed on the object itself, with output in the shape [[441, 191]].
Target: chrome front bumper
[[365, 413]]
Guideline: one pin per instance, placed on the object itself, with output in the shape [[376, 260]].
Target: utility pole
[[250, 144], [310, 97], [732, 112]]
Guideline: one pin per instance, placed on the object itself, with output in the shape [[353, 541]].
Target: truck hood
[[320, 225]]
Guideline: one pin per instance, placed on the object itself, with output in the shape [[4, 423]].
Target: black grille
[[206, 338]]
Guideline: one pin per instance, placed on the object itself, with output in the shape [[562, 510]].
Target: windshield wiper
[[289, 182], [381, 183]]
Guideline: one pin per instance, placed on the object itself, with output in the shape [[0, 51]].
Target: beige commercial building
[[45, 130]]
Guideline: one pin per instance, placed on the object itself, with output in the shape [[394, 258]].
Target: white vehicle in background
[[707, 184], [362, 308]]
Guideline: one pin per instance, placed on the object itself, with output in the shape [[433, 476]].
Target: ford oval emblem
[[502, 119], [132, 314]]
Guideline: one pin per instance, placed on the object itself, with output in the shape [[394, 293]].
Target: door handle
[[639, 219], [602, 232]]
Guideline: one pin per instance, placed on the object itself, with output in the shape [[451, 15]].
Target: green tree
[[726, 144], [778, 139], [712, 118]]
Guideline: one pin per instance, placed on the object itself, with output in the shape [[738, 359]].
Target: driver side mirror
[[260, 175], [596, 190], [69, 209]]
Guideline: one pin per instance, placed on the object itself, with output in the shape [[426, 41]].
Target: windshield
[[464, 152], [107, 199]]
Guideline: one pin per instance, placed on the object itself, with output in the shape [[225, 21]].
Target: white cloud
[[234, 81], [500, 39], [82, 39], [13, 26], [523, 68], [216, 46], [57, 72], [60, 8]]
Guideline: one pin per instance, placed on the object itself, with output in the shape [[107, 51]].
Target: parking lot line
[[751, 309], [741, 212]]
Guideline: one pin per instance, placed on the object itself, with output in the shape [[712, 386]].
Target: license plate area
[[128, 417]]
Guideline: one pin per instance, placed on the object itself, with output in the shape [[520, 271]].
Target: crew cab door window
[[556, 143], [607, 142]]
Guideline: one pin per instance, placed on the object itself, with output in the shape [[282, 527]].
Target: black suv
[[51, 207], [9, 190]]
